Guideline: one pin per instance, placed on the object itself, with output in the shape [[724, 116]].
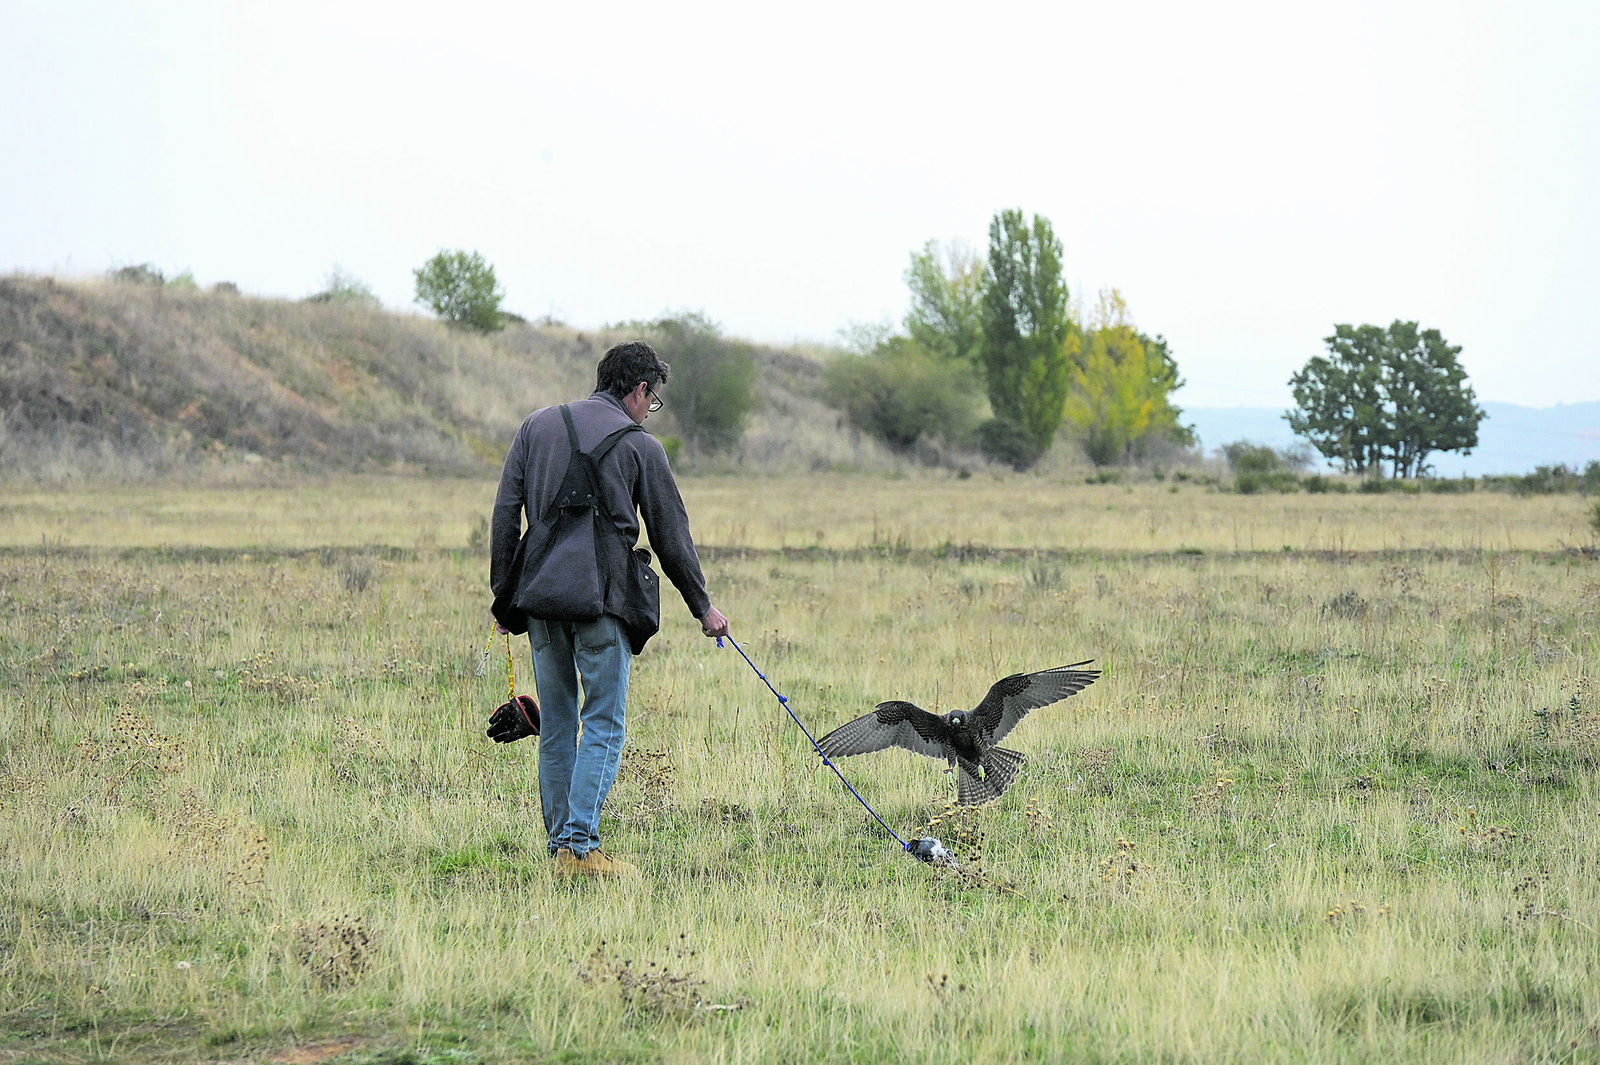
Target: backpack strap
[[600, 451], [581, 486], [572, 430], [604, 446]]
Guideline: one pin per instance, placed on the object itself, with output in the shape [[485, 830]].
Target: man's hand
[[713, 624]]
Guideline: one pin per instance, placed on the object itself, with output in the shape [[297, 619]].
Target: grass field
[[1335, 798]]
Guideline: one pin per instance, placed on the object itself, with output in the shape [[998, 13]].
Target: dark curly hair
[[625, 365]]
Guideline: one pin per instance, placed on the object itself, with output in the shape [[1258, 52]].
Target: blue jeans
[[576, 772]]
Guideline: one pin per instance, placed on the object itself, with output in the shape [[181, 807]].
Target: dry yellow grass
[[830, 511], [1332, 803]]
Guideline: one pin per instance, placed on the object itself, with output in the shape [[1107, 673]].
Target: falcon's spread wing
[[892, 724], [1010, 699]]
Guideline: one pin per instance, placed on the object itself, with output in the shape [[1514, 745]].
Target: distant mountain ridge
[[1511, 438]]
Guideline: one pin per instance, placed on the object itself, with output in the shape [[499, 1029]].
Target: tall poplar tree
[[1026, 324]]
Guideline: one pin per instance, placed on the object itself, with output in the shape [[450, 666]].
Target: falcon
[[965, 739]]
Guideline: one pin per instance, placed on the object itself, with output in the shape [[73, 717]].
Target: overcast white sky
[[1247, 174]]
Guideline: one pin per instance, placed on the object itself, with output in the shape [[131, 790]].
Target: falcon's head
[[958, 722]]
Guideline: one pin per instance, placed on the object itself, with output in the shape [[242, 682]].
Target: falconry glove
[[514, 719]]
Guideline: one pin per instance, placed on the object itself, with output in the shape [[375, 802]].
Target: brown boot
[[596, 863]]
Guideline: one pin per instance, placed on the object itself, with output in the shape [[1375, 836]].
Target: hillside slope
[[103, 379]]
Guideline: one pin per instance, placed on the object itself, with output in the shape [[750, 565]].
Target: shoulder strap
[[600, 451], [610, 442], [578, 487], [603, 446], [581, 486], [572, 430]]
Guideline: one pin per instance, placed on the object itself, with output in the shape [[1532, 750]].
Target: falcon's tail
[[988, 780]]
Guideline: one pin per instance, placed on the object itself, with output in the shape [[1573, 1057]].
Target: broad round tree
[[460, 287]]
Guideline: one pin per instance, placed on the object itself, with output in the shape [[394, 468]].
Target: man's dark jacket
[[635, 479]]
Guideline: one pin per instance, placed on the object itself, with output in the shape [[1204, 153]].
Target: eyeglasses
[[655, 400]]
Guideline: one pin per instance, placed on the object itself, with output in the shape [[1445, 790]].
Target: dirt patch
[[314, 1052]]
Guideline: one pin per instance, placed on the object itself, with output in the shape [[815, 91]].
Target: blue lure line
[[926, 849]]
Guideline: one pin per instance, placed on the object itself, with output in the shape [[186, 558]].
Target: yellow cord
[[511, 673]]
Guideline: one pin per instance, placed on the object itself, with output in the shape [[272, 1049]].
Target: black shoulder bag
[[582, 568]]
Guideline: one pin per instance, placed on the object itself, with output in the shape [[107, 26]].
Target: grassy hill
[[135, 381]]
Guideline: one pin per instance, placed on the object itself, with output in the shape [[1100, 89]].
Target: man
[[576, 774]]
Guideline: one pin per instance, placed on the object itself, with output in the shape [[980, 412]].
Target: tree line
[[994, 355]]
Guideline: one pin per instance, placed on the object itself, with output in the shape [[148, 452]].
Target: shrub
[[1259, 468], [1381, 486], [1244, 457], [1347, 605], [1007, 442], [901, 394], [1447, 485], [138, 274], [1548, 480], [1318, 484], [342, 287], [711, 389], [1252, 482]]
